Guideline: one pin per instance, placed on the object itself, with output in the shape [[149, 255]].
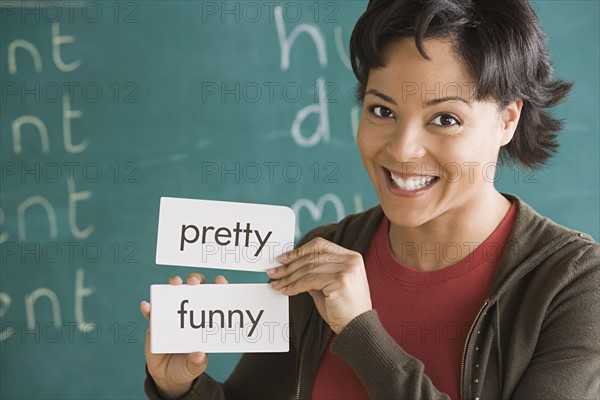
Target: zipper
[[462, 364], [299, 377]]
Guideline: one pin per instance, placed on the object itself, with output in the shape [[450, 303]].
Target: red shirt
[[427, 313]]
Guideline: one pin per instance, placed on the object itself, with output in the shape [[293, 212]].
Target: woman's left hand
[[335, 277]]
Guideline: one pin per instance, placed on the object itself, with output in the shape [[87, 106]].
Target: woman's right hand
[[173, 374]]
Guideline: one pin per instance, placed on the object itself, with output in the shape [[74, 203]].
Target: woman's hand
[[335, 277], [173, 374]]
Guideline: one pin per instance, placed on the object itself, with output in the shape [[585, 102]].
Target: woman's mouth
[[405, 183]]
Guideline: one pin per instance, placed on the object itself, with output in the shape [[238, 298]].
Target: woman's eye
[[382, 111], [445, 120]]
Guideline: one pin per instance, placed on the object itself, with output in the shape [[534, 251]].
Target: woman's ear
[[509, 121]]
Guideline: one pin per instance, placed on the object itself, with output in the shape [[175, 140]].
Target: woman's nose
[[406, 143]]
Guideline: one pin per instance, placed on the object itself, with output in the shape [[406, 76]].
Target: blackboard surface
[[107, 106]]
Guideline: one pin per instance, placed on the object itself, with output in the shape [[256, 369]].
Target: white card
[[231, 318], [226, 235]]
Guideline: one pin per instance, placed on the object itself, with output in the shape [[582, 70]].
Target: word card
[[226, 235], [226, 318]]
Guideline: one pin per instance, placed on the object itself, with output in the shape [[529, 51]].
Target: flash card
[[226, 235], [218, 318]]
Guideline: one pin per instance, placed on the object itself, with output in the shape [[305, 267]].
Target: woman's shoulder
[[539, 247], [539, 229]]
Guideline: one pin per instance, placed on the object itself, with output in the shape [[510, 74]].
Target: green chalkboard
[[106, 106]]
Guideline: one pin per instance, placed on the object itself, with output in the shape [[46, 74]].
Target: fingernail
[[273, 283], [271, 271], [198, 358], [194, 280], [281, 257]]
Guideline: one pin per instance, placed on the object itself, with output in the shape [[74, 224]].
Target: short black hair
[[500, 43]]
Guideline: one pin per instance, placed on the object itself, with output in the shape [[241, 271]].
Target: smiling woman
[[425, 152], [449, 288]]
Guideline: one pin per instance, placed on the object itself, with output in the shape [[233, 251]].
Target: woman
[[448, 289]]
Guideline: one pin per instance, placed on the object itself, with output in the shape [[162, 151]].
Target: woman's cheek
[[366, 140]]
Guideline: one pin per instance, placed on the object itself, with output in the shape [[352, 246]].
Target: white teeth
[[413, 183]]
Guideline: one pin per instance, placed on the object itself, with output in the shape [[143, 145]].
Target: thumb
[[196, 363], [145, 309]]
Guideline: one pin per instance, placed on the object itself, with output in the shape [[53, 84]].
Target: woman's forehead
[[406, 70]]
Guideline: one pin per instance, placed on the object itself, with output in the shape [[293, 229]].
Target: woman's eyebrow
[[428, 103], [433, 102], [377, 93]]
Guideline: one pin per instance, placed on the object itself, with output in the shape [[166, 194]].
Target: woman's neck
[[427, 247]]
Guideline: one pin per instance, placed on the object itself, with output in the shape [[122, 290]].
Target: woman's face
[[428, 146]]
